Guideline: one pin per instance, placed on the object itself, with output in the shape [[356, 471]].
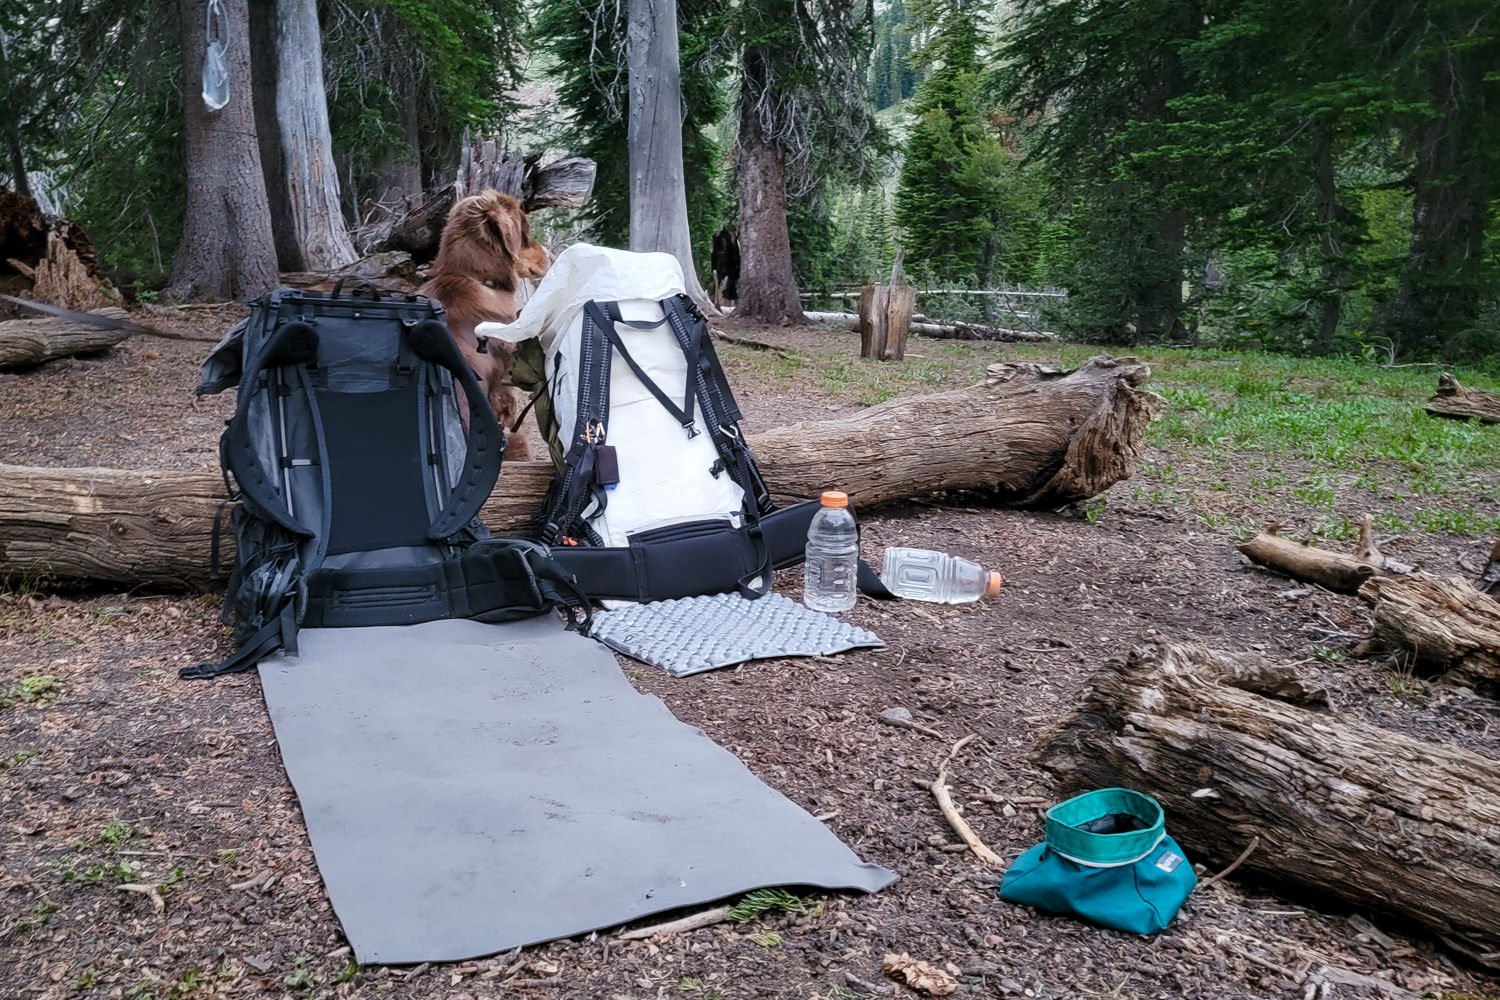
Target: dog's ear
[[507, 226]]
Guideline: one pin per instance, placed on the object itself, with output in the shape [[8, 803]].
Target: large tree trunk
[[1439, 292], [312, 184], [1026, 437], [767, 286], [13, 147], [658, 191], [1342, 809], [264, 67], [227, 250]]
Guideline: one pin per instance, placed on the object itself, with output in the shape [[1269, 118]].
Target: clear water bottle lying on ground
[[924, 575], [830, 573]]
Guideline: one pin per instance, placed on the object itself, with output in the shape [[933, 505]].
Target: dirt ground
[[115, 776]]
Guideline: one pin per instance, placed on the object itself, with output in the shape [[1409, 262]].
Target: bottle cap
[[833, 498], [992, 585]]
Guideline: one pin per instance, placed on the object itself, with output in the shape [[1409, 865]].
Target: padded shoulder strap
[[485, 441], [291, 343]]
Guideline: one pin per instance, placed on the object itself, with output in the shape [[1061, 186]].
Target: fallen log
[[1442, 623], [1343, 574], [1027, 436], [943, 329], [1343, 809], [25, 342], [392, 271], [416, 227], [1457, 402]]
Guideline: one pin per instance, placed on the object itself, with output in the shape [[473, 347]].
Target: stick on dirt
[[1249, 849], [706, 918], [939, 789]]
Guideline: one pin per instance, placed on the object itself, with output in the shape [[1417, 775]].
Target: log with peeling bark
[[416, 228], [937, 329], [1442, 623], [1343, 574], [1458, 402], [392, 270], [1346, 810], [25, 342], [1027, 436]]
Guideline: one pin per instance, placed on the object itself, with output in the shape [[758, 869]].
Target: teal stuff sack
[[1107, 858]]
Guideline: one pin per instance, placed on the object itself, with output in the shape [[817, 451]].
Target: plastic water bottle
[[830, 577], [924, 575]]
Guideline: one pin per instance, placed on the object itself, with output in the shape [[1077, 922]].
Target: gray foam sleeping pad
[[469, 788]]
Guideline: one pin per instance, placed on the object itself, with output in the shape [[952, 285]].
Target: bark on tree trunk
[[1439, 290], [227, 249], [1343, 809], [1026, 437], [1328, 241], [767, 286], [264, 60], [658, 190], [26, 342], [19, 182], [311, 177], [400, 176]]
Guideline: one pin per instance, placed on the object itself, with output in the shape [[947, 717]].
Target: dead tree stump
[[885, 313], [1343, 809], [417, 228], [1457, 402], [1027, 436]]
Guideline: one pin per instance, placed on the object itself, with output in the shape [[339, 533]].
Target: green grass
[[33, 689], [1245, 436]]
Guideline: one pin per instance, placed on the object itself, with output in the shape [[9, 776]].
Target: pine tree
[[949, 198], [1090, 74]]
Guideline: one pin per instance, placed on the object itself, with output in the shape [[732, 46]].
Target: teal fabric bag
[[1107, 858]]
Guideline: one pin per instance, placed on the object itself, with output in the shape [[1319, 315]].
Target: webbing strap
[[606, 320], [278, 633]]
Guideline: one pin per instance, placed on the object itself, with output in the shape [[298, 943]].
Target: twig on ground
[[944, 798], [689, 923], [891, 718], [150, 891], [1249, 849], [756, 345]]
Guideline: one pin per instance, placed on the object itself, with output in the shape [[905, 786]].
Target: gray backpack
[[355, 486]]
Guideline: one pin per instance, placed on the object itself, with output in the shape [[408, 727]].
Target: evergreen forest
[[1308, 177]]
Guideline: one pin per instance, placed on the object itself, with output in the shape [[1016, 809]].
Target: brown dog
[[486, 247]]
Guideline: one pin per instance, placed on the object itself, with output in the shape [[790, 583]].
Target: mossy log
[[1027, 436], [1343, 809]]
